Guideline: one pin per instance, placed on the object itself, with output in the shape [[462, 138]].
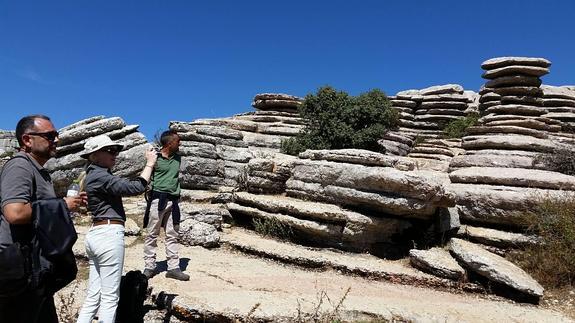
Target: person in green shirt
[[162, 209]]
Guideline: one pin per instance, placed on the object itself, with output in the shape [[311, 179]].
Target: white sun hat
[[96, 143]]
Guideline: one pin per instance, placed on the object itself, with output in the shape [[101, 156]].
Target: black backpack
[[133, 293]]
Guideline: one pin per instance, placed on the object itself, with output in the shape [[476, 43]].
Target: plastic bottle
[[73, 190]]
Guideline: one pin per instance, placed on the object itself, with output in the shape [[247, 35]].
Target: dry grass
[[320, 314], [552, 262], [67, 311]]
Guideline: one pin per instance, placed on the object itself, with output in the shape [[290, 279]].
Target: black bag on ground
[[133, 293]]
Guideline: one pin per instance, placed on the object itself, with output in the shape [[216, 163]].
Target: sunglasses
[[111, 150], [50, 135]]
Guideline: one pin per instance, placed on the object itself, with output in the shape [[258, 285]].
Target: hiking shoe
[[149, 273], [177, 274]]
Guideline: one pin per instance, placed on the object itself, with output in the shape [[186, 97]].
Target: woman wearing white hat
[[105, 239]]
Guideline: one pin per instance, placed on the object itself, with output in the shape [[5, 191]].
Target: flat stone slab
[[514, 80], [358, 156], [494, 267], [382, 203], [371, 179], [438, 262], [563, 116], [403, 103], [514, 60], [560, 92], [481, 130], [497, 204], [492, 160], [496, 238], [556, 102], [508, 141], [442, 89], [522, 99], [515, 70], [443, 104], [524, 123], [433, 151], [448, 97], [514, 177], [489, 96], [91, 129], [519, 91]]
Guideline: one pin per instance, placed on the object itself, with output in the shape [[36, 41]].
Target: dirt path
[[233, 284]]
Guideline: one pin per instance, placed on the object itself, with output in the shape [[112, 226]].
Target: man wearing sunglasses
[[24, 180]]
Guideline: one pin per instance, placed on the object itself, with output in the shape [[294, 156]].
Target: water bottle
[[73, 190]]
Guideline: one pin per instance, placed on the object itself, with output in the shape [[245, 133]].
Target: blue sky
[[155, 61]]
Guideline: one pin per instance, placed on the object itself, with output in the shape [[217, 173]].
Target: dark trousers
[[28, 308]]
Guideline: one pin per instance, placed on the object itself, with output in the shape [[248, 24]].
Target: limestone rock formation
[[384, 189], [240, 152], [8, 145], [67, 165], [496, 238], [321, 223], [195, 233], [494, 268], [420, 186], [438, 262], [277, 102]]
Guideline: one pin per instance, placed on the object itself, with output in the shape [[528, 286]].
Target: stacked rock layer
[[8, 145], [424, 113], [501, 172], [240, 152], [276, 102], [68, 164]]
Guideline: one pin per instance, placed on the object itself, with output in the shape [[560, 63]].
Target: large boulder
[[495, 268], [195, 233]]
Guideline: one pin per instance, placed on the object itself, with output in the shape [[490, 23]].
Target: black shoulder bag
[[15, 263]]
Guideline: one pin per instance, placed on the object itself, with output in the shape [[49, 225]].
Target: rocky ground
[[251, 278]]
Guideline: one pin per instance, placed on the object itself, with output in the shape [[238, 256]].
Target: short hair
[[167, 136], [26, 124]]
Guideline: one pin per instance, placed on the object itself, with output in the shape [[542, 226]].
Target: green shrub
[[457, 128], [552, 262], [561, 160], [272, 227], [336, 120]]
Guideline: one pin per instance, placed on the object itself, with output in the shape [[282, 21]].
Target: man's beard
[[47, 154]]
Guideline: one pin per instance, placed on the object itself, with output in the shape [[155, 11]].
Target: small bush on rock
[[552, 262], [272, 227], [561, 160], [457, 128], [336, 120]]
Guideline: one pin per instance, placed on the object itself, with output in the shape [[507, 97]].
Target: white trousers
[[105, 249]]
